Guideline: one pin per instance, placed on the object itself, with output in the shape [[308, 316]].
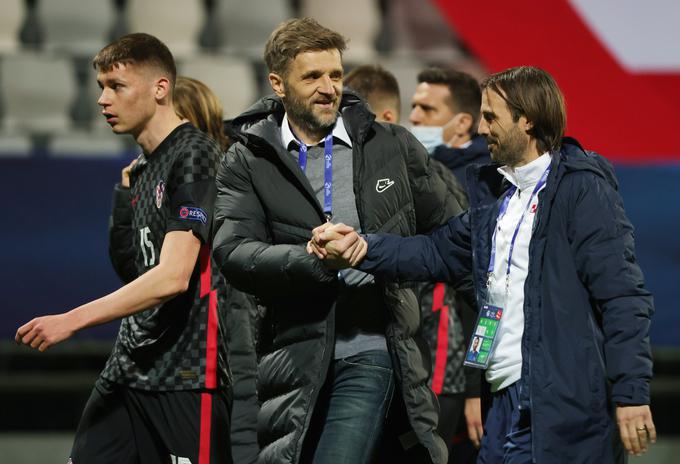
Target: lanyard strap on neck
[[503, 209], [327, 172]]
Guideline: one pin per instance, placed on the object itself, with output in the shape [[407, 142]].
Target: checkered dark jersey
[[180, 344]]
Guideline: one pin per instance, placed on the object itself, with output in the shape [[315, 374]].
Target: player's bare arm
[[170, 278]]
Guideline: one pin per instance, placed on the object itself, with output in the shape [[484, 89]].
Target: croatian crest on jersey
[[160, 191]]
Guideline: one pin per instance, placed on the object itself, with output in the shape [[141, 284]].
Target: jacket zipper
[[535, 227]]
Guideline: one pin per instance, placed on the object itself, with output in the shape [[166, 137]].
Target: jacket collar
[[486, 184], [527, 176], [456, 158], [260, 126], [339, 132]]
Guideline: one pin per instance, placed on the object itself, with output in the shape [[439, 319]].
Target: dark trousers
[[507, 430], [453, 429], [121, 425], [349, 416]]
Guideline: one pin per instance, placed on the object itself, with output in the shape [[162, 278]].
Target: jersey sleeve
[[192, 189]]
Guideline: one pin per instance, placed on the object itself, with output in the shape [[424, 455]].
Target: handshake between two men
[[339, 245]]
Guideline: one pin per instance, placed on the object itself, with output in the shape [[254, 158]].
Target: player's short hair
[[466, 96], [533, 93], [297, 36], [196, 102], [137, 48], [374, 83]]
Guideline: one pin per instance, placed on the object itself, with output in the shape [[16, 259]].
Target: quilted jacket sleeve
[[443, 256], [601, 238], [432, 196], [121, 245], [242, 246]]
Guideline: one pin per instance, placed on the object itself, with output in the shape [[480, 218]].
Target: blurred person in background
[[447, 319], [444, 117], [379, 88], [164, 394], [196, 102], [345, 353]]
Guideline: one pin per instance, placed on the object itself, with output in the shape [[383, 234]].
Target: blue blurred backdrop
[[54, 237]]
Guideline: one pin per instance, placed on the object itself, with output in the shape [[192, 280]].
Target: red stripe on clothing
[[442, 338], [460, 438], [206, 423], [438, 296], [211, 331], [206, 272], [211, 347]]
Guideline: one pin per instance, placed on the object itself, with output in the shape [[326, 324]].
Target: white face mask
[[430, 136]]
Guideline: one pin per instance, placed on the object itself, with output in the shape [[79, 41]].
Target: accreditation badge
[[484, 337]]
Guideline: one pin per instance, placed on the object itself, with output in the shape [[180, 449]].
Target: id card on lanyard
[[481, 346], [327, 172]]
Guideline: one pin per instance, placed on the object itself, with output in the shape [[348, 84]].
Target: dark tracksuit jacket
[[585, 345]]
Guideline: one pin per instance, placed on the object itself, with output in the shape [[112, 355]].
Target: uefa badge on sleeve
[[160, 191]]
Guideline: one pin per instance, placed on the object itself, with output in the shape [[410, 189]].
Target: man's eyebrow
[[424, 106], [312, 73]]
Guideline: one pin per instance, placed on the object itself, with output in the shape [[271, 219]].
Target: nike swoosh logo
[[383, 184]]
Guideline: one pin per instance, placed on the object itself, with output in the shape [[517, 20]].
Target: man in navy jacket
[[546, 240]]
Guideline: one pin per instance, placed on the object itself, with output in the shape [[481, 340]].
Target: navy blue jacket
[[587, 313], [458, 159]]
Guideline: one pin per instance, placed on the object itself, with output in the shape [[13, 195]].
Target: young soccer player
[[163, 395]]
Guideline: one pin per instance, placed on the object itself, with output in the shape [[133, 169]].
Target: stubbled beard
[[304, 117], [510, 150]]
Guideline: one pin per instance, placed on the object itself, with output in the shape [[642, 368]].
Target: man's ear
[[389, 115], [457, 130], [161, 88], [276, 81], [525, 124], [465, 123]]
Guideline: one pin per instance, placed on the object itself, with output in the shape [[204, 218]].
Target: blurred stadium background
[[617, 61]]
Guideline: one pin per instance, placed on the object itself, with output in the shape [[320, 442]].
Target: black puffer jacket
[[243, 319], [265, 212], [449, 376]]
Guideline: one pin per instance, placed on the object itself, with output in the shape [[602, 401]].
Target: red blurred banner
[[629, 116]]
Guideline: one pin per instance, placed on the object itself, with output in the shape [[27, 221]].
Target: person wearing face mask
[[444, 117], [443, 311]]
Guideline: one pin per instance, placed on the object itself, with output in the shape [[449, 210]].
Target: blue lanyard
[[327, 172], [503, 209]]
